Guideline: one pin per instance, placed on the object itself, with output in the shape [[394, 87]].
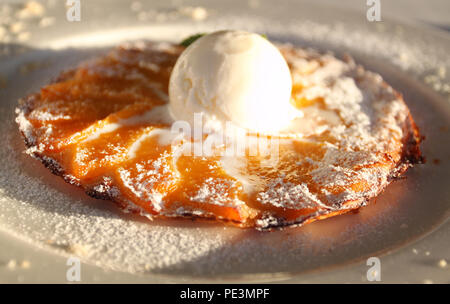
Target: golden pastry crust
[[97, 126]]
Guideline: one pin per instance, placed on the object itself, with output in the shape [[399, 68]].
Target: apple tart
[[104, 126]]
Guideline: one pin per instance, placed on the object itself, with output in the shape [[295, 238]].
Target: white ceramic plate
[[43, 221]]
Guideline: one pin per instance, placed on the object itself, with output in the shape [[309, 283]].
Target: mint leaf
[[191, 39]]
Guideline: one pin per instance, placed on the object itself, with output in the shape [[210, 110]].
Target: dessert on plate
[[229, 128]]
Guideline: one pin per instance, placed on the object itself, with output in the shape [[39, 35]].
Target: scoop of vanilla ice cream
[[232, 76]]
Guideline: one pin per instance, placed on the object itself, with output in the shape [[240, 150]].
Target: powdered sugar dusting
[[287, 195], [215, 190]]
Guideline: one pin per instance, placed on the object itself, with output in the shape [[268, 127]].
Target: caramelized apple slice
[[148, 175], [205, 190], [105, 144]]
